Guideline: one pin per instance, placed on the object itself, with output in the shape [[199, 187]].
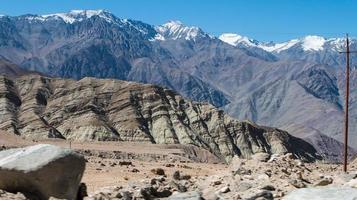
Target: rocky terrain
[[169, 175], [262, 177], [37, 107]]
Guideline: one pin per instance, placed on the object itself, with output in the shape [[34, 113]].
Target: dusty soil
[[102, 170]]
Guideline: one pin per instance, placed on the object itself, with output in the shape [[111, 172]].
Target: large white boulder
[[323, 193], [42, 170]]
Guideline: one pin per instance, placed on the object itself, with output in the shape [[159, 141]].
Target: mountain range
[[297, 85]]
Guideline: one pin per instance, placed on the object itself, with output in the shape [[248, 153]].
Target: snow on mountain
[[278, 46], [313, 43], [307, 43], [74, 16], [235, 39], [177, 30], [339, 44]]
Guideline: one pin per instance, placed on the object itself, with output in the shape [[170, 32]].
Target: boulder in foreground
[[323, 193], [42, 171]]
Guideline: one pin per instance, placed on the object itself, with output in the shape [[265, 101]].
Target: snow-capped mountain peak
[[177, 30], [79, 15], [74, 16], [313, 43], [235, 39]]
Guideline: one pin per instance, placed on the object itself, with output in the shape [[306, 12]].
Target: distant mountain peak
[[74, 16], [79, 15], [313, 43], [278, 47], [235, 39], [177, 30]]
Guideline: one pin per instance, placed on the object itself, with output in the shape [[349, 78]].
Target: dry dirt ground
[[103, 168]]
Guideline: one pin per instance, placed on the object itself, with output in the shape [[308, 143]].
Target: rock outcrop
[[95, 109], [41, 171]]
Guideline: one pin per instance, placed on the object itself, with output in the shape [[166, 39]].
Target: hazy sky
[[265, 20]]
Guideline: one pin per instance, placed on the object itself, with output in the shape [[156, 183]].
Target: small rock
[[289, 156], [268, 172], [261, 157], [242, 171], [186, 196], [178, 186], [176, 175], [158, 171], [162, 192], [121, 163], [279, 194], [268, 187], [323, 182], [264, 195], [273, 158], [127, 195], [185, 177], [153, 181], [217, 182], [134, 170], [146, 192], [300, 163], [263, 176], [224, 189], [243, 186], [297, 183]]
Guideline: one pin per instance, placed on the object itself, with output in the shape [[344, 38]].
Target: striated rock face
[[94, 109]]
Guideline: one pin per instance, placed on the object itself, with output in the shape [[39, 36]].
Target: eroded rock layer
[[103, 109]]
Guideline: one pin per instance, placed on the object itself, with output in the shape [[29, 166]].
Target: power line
[[347, 52]]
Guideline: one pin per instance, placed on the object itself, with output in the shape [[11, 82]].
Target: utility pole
[[347, 52]]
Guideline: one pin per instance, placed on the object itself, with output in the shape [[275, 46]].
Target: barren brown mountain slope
[[112, 110]]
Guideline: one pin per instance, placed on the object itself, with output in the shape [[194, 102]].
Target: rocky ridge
[[113, 110]]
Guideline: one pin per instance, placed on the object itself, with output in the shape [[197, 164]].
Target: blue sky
[[265, 20]]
